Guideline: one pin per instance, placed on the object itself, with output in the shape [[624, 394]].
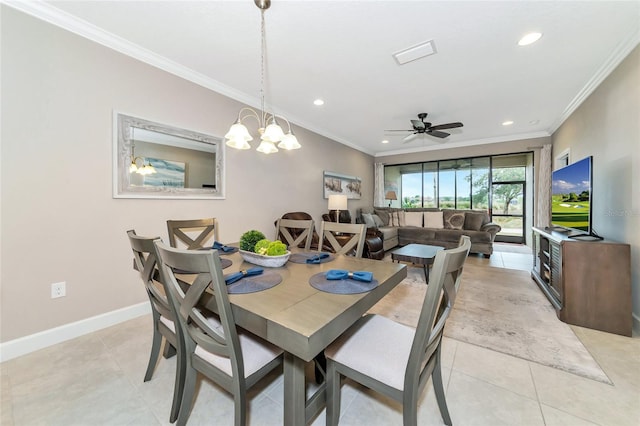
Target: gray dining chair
[[293, 232], [145, 260], [394, 359], [233, 358], [192, 234], [343, 238]]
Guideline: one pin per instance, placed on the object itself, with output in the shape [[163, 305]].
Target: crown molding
[[475, 142], [617, 56], [73, 24]]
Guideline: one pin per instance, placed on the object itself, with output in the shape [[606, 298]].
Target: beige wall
[[607, 127], [59, 221]]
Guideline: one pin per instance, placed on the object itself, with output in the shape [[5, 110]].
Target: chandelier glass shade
[[144, 169], [271, 133]]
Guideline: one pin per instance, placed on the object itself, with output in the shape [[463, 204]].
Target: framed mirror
[[154, 160]]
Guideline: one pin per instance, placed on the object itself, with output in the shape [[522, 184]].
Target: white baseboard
[[43, 339]]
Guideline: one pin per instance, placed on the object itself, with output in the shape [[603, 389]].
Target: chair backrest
[[205, 265], [444, 282], [145, 258], [295, 232], [193, 234], [351, 237]]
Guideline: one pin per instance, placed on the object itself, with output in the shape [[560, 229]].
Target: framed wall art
[[336, 183]]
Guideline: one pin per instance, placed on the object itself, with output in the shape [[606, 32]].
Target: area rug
[[502, 310]]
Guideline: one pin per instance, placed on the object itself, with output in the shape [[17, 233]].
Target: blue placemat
[[255, 283], [346, 286], [222, 252], [302, 257]]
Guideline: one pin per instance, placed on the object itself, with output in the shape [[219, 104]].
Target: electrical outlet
[[58, 290]]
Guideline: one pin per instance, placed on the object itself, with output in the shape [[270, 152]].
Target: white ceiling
[[341, 51]]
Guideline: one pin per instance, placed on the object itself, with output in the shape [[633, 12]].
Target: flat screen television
[[571, 197]]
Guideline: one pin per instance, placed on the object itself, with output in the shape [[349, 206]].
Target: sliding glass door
[[497, 184]]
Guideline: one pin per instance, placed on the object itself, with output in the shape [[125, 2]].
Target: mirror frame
[[122, 187]]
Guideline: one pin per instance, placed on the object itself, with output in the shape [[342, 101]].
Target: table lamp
[[391, 195], [337, 202]]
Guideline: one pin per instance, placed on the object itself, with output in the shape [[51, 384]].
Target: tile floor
[[97, 380]]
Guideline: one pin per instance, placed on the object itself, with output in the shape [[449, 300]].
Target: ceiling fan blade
[[437, 134], [410, 137], [446, 126], [403, 130], [417, 124]]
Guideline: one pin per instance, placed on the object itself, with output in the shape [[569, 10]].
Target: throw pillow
[[384, 215], [402, 221], [453, 219], [394, 219], [377, 221], [414, 219], [368, 220], [433, 220], [473, 221]]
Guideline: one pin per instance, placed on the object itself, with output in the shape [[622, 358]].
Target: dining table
[[303, 320]]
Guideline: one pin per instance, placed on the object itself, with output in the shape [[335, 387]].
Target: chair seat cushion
[[166, 321], [377, 347], [256, 352]]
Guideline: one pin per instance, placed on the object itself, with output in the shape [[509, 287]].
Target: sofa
[[440, 227]]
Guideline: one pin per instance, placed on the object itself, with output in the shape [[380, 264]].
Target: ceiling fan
[[421, 127]]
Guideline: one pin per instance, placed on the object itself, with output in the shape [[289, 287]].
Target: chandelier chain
[[263, 47]]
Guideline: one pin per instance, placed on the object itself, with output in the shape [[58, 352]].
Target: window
[[496, 183], [430, 184]]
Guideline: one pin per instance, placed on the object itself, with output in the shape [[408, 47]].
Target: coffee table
[[418, 254]]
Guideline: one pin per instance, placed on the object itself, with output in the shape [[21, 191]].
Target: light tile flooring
[[97, 380]]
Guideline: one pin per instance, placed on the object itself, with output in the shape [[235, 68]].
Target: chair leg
[[333, 394], [188, 392], [320, 368], [178, 387], [155, 352], [169, 350], [410, 411], [438, 387], [240, 409]]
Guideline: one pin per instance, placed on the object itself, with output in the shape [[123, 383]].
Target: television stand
[[586, 237], [558, 229], [587, 282]]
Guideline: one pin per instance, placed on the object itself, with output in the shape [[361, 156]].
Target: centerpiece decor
[[256, 249]]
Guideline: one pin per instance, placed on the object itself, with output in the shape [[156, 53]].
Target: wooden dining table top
[[299, 318]]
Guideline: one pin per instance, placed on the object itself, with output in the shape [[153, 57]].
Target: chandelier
[[238, 136], [146, 168]]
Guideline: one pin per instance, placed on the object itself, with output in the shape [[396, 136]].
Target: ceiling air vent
[[426, 48]]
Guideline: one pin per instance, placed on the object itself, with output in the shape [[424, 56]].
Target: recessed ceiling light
[[507, 123], [385, 141], [529, 39], [318, 102]]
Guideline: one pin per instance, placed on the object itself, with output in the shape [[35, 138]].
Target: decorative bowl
[[267, 261]]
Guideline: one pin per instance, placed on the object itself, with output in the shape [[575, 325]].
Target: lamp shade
[[238, 136], [391, 195], [267, 147], [238, 131], [273, 132], [289, 141], [337, 202]]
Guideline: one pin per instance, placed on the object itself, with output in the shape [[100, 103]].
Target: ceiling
[[341, 52]]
